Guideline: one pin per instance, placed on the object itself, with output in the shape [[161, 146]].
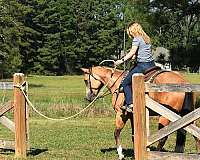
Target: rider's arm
[[131, 54]]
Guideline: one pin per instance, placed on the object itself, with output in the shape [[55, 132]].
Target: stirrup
[[123, 107], [129, 108]]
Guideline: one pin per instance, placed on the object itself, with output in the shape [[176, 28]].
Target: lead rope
[[55, 119], [66, 118]]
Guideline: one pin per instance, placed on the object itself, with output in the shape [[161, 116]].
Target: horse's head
[[93, 83]]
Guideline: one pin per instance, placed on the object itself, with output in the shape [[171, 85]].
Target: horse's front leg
[[120, 122]]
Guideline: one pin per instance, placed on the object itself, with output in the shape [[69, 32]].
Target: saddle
[[151, 73]]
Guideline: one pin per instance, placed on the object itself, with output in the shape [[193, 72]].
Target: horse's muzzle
[[90, 97]]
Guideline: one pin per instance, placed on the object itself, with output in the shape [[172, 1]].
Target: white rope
[[58, 119], [73, 116]]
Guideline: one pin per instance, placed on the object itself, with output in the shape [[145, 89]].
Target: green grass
[[193, 78], [88, 136], [62, 95]]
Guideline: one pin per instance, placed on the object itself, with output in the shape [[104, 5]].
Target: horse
[[98, 76]]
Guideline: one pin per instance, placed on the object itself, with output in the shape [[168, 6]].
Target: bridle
[[90, 73], [89, 82]]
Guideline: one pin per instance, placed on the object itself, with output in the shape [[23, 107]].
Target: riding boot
[[128, 108]]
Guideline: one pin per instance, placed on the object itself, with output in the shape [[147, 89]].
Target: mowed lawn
[[88, 136]]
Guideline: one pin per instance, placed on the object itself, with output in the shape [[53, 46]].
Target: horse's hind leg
[[120, 122], [180, 141], [181, 136], [162, 123], [181, 133]]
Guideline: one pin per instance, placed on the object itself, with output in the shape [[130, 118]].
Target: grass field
[[88, 136]]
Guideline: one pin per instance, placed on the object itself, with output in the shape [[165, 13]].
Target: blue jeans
[[126, 83]]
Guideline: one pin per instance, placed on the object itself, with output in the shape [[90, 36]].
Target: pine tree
[[10, 38]]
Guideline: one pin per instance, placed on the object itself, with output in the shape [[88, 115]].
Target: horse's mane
[[116, 71]]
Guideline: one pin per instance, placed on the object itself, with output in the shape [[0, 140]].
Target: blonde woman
[[141, 52]]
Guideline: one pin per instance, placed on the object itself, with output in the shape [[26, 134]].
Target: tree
[[177, 28], [10, 38], [60, 36]]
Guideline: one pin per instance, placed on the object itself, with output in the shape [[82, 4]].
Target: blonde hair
[[135, 29]]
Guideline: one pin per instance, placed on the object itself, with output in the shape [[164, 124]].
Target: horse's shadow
[[36, 151], [127, 152]]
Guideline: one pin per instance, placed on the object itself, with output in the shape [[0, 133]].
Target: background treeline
[[55, 37]]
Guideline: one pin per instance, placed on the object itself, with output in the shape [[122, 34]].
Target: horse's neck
[[112, 81]]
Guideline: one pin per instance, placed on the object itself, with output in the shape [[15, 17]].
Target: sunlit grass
[[88, 136]]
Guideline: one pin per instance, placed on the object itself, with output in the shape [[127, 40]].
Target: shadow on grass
[[36, 151], [7, 151], [153, 148], [108, 150], [31, 152], [36, 85], [127, 152]]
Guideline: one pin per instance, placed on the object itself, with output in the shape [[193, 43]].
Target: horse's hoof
[[161, 150], [121, 157], [179, 149]]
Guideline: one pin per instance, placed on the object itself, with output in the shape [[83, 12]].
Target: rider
[[141, 52]]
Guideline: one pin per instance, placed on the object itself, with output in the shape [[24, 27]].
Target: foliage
[[177, 28], [10, 37], [56, 37]]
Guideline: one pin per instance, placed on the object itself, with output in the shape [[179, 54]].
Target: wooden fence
[[142, 138], [20, 125]]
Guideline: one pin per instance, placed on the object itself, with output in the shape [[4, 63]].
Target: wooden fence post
[[140, 136], [20, 117]]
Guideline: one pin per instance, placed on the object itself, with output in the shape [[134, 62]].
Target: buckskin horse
[[96, 77]]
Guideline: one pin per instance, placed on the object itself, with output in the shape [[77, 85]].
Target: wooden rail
[[6, 85], [142, 139], [151, 87]]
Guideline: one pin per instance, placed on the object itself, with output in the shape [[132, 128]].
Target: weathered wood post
[[20, 117], [140, 136]]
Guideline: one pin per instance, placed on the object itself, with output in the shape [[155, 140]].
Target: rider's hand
[[118, 62]]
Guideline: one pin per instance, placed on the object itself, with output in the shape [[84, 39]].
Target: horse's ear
[[85, 70]]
